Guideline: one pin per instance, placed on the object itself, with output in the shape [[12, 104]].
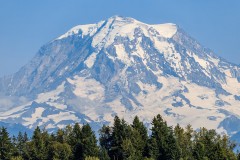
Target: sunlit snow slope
[[124, 67]]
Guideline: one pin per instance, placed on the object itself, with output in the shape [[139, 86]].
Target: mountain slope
[[124, 67]]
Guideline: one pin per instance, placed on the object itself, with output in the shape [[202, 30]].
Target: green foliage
[[91, 158], [121, 141], [38, 147], [5, 144], [130, 152], [105, 138], [75, 141], [120, 131], [184, 142], [89, 142], [208, 144], [148, 158], [139, 137], [17, 158], [164, 144], [60, 151], [103, 154]]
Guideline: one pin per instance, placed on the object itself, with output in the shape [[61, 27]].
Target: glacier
[[121, 66]]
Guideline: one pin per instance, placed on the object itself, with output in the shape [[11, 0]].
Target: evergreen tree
[[89, 142], [5, 144], [199, 151], [14, 146], [152, 148], [130, 152], [103, 154], [75, 141], [16, 158], [91, 158], [20, 144], [61, 151], [140, 136], [67, 133], [209, 144], [60, 136], [184, 142], [120, 142], [38, 146], [121, 131], [105, 138], [166, 142]]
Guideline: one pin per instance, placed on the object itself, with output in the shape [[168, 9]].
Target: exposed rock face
[[124, 67]]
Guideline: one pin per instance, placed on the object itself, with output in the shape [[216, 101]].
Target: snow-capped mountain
[[121, 66]]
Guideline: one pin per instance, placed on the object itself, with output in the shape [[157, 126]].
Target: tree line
[[122, 141]]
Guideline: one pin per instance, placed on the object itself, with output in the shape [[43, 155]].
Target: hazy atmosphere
[[120, 80], [27, 25]]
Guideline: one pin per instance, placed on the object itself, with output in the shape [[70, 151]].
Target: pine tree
[[14, 146], [39, 145], [152, 148], [105, 138], [5, 144], [67, 133], [60, 137], [130, 152], [140, 136], [166, 143], [120, 142], [103, 154], [61, 151], [16, 158], [22, 145], [184, 142], [199, 151], [209, 144], [121, 131], [75, 141], [89, 142], [91, 158]]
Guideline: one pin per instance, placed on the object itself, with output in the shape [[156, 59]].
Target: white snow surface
[[88, 29], [119, 26], [166, 30], [90, 60], [197, 103]]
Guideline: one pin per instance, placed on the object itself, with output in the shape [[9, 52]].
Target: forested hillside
[[122, 141]]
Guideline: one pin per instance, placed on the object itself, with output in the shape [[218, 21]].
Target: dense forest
[[122, 141]]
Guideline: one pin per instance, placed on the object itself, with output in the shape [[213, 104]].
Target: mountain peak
[[121, 66], [121, 18], [123, 24]]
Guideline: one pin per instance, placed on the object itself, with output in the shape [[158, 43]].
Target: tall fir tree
[[103, 154], [38, 146], [75, 141], [184, 143], [89, 142], [105, 138], [59, 151], [164, 137], [5, 144], [140, 136], [121, 131]]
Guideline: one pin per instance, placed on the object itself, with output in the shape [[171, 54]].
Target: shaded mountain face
[[124, 67]]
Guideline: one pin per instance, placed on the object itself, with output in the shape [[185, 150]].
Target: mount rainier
[[121, 66]]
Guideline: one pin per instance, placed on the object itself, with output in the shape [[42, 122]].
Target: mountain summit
[[121, 66]]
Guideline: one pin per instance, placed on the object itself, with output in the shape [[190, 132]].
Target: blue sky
[[27, 25]]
